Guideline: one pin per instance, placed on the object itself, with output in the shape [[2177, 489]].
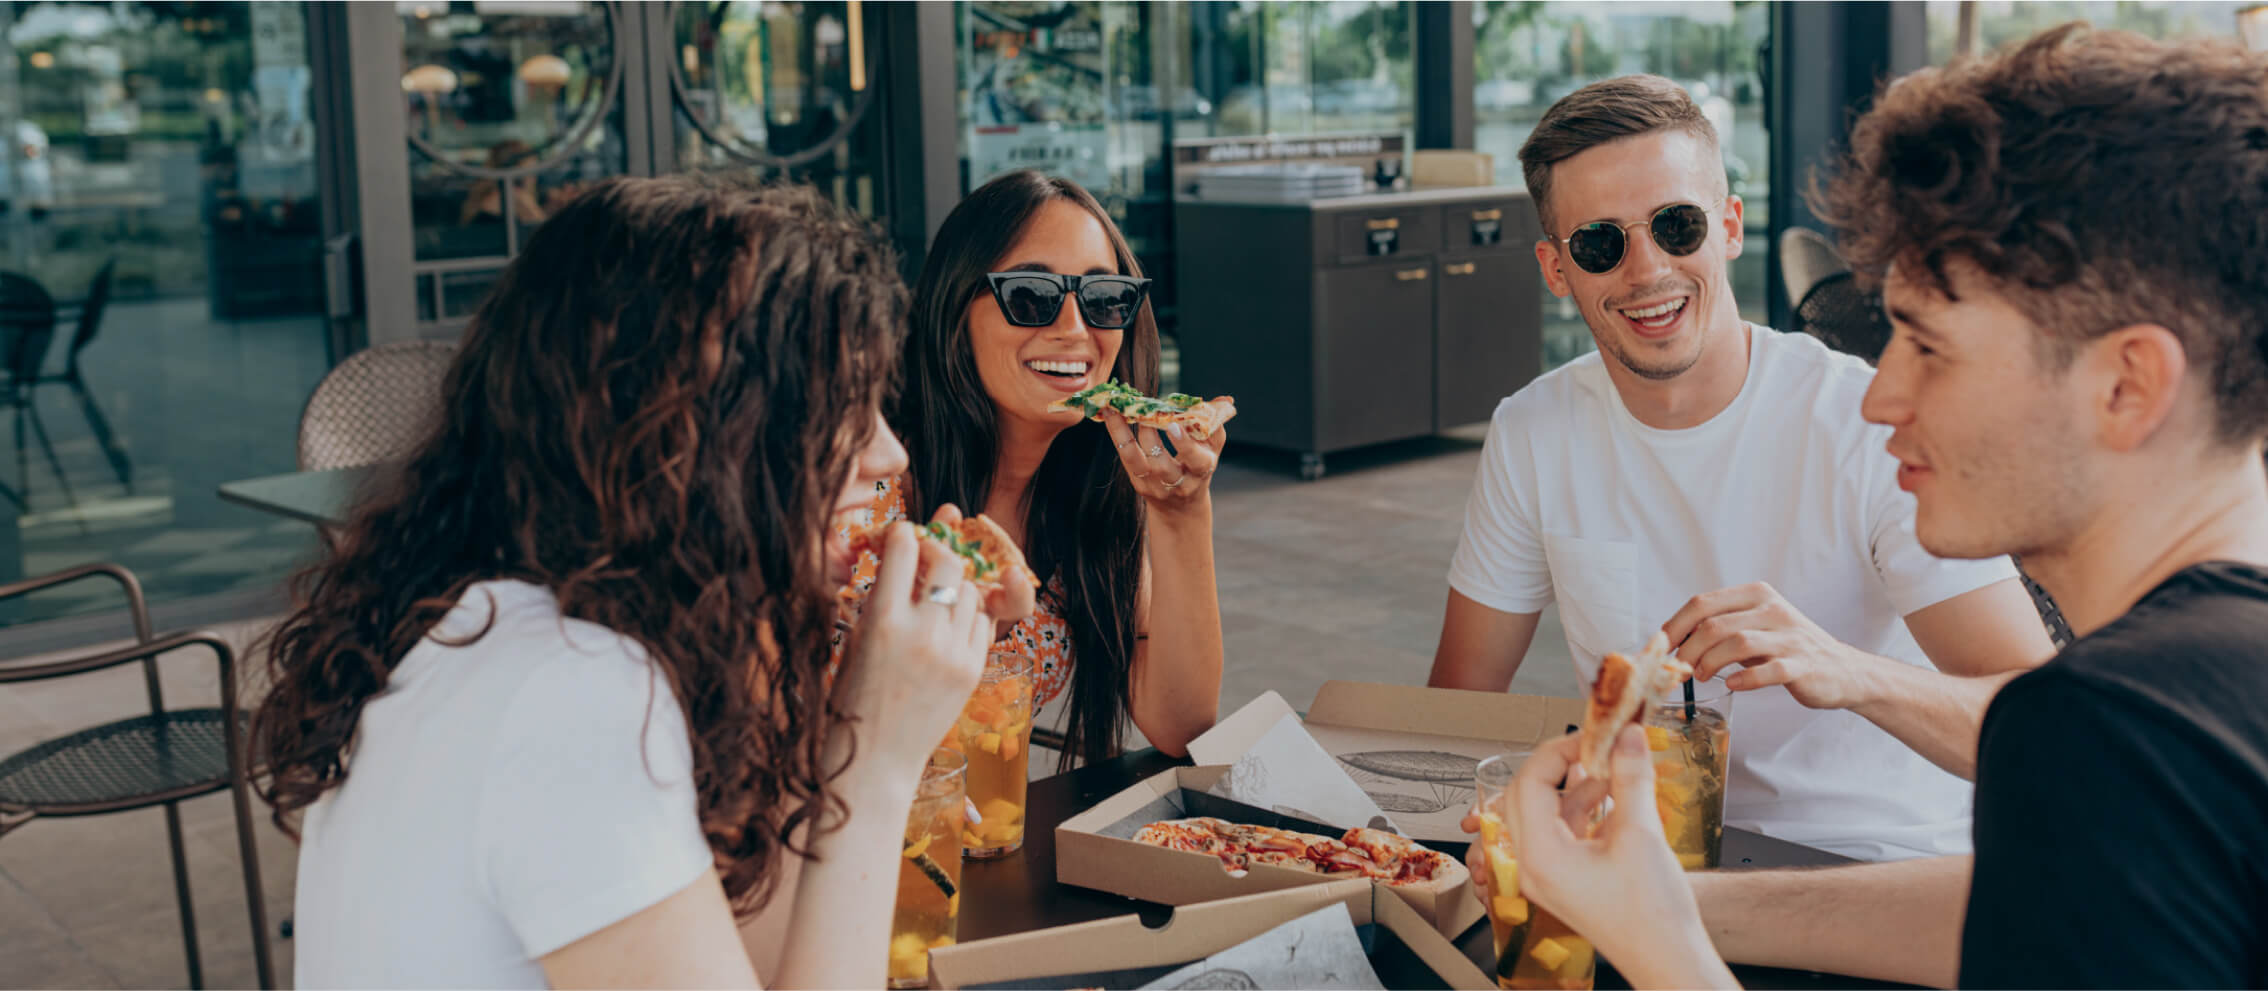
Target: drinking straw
[[935, 872], [1689, 700]]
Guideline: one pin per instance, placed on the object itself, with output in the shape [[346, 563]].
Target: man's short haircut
[[1605, 111], [2099, 179]]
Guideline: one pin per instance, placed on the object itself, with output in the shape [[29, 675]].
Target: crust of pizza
[[1367, 853], [1201, 420], [1619, 695], [992, 541]]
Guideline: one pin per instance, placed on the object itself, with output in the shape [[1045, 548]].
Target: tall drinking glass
[[1534, 950], [995, 732], [929, 871], [1690, 750]]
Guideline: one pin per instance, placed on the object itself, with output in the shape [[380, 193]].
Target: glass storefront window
[[1098, 91], [781, 87], [1998, 23], [511, 110], [159, 190], [1528, 55]]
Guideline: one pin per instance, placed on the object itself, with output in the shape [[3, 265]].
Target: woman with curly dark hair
[[558, 702], [1030, 294]]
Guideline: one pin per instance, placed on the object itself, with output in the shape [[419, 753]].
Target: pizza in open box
[[1370, 854]]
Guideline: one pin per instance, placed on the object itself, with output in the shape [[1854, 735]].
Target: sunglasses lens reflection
[[1109, 305], [1030, 302], [1596, 247], [1680, 229]]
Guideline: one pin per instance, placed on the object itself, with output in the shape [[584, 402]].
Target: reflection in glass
[[782, 86], [500, 88], [476, 78], [1098, 91], [159, 191], [1527, 56]]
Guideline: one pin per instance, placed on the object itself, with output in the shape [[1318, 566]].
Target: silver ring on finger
[[1122, 444], [1184, 477], [944, 595], [1157, 450]]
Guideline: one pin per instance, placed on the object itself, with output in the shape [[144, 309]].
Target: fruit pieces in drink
[[927, 911], [995, 732], [1689, 781], [1533, 948]]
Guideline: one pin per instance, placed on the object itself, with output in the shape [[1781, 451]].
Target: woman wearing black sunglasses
[[1030, 294]]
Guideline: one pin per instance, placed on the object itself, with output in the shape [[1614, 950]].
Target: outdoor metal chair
[[375, 407], [1845, 317], [161, 758]]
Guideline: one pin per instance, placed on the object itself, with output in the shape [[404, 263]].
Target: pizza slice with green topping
[[1197, 417], [984, 548]]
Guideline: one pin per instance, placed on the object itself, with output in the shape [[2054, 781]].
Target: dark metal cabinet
[[1374, 352], [1343, 323]]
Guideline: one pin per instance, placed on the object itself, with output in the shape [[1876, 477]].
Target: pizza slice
[[1366, 853], [984, 548], [1619, 695], [1197, 417], [1200, 835]]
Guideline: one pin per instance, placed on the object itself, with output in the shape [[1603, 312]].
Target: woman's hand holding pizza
[[1167, 479]]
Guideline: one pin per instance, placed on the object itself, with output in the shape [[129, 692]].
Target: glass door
[[508, 110], [161, 306]]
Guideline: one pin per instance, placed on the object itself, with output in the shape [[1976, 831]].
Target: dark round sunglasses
[[1033, 299], [1597, 247]]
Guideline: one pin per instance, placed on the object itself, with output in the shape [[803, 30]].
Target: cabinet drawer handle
[[1410, 274], [1488, 215], [1383, 223], [1461, 268]]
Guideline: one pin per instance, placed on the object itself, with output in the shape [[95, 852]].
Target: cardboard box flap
[[1194, 932], [1231, 737], [1439, 954], [1441, 712]]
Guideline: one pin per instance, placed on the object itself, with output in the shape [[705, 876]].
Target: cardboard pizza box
[[1413, 748], [1410, 955]]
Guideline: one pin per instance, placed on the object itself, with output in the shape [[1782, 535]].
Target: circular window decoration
[[503, 91], [772, 83]]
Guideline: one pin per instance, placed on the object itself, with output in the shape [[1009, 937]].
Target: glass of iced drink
[[929, 871], [1690, 746], [1533, 948], [995, 732]]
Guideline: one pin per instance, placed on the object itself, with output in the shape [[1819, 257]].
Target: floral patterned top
[[1043, 636]]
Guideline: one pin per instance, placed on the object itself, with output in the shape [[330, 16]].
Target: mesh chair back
[[1847, 318], [374, 407], [27, 326], [1806, 259]]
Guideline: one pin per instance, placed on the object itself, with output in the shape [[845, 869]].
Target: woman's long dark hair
[[652, 416], [1085, 522]]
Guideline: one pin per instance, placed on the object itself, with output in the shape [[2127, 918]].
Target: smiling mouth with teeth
[[1658, 315], [1059, 369]]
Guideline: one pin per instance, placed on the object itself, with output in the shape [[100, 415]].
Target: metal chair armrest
[[115, 656], [124, 578]]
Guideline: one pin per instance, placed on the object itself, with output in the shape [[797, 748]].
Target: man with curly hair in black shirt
[[2072, 241]]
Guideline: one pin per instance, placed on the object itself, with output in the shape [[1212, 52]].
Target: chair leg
[[39, 430], [181, 893], [100, 425], [23, 453], [255, 897]]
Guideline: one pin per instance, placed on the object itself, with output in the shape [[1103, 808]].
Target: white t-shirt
[[1578, 503], [504, 798]]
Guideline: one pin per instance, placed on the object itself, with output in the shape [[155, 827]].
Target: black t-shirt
[[2122, 802]]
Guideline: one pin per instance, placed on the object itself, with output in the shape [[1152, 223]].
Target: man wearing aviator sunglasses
[[1714, 480]]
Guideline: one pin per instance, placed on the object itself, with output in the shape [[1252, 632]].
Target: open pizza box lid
[[1090, 950], [1390, 738]]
